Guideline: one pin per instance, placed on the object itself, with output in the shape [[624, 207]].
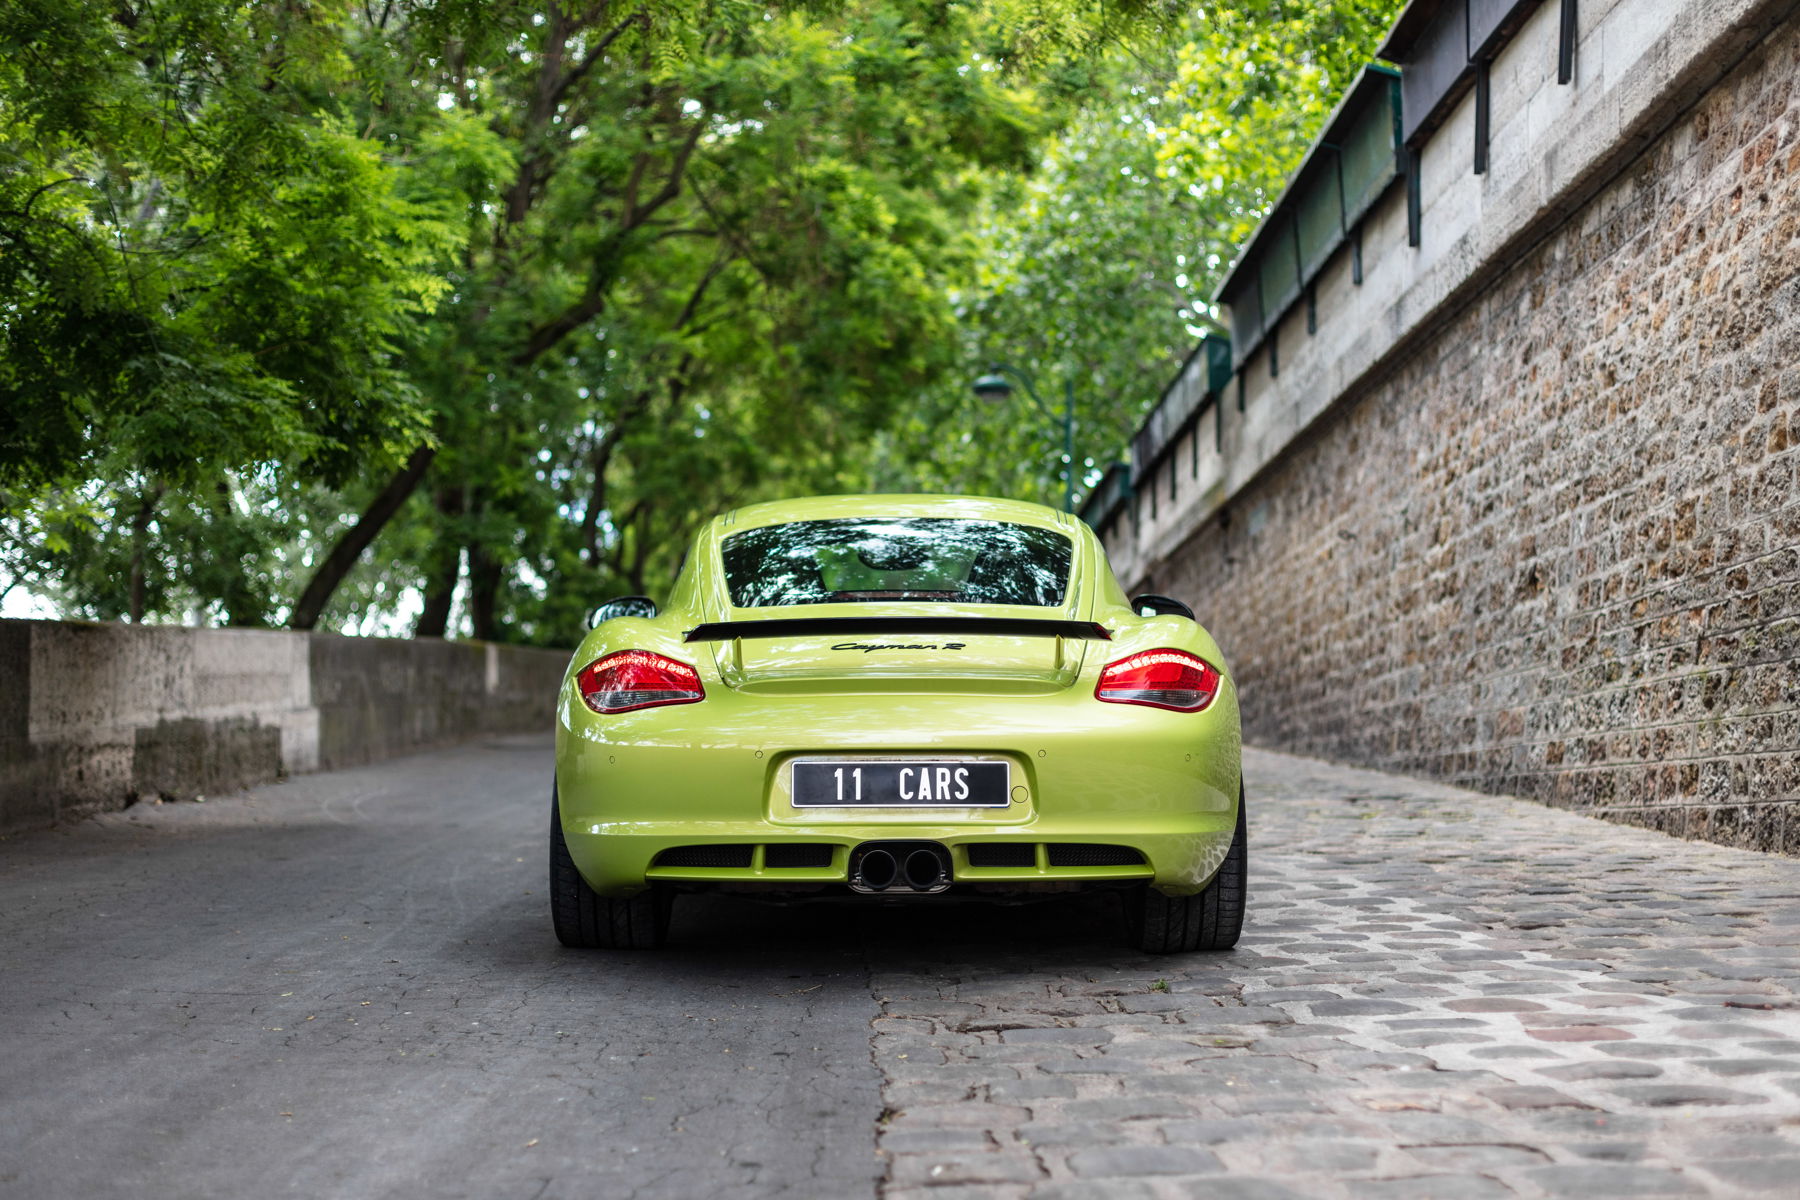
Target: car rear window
[[926, 559]]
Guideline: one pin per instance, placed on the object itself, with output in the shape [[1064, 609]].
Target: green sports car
[[897, 697]]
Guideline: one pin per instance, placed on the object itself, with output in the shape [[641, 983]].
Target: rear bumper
[[620, 862], [716, 773]]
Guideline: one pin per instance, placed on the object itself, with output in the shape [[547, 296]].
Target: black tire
[[589, 921], [1211, 919]]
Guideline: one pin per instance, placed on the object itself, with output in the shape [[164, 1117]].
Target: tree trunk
[[602, 459], [440, 593], [356, 539], [140, 529], [484, 593], [237, 597], [446, 567], [640, 558]]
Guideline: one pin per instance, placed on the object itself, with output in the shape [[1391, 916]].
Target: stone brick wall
[[1554, 548]]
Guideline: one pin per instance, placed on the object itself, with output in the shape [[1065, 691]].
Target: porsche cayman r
[[898, 697]]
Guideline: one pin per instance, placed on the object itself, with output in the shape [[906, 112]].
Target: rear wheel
[[590, 921], [1209, 920]]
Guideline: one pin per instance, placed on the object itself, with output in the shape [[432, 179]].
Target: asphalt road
[[346, 985]]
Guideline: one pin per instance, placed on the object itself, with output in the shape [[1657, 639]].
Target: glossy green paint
[[634, 784]]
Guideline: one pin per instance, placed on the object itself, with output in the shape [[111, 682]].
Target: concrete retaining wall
[[93, 716]]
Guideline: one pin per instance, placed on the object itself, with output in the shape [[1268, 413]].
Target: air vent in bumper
[[1086, 854], [705, 856], [1003, 854], [797, 854]]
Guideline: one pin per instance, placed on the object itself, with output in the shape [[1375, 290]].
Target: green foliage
[[1099, 265], [204, 266], [518, 294], [1249, 95], [711, 277]]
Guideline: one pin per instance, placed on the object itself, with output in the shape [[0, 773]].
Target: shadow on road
[[730, 933]]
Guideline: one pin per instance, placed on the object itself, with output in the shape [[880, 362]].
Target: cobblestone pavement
[[1438, 995]]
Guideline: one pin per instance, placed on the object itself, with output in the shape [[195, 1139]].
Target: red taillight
[[633, 679], [1171, 679]]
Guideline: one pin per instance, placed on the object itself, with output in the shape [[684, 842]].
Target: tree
[[808, 166], [1099, 265], [200, 271], [202, 267], [461, 314]]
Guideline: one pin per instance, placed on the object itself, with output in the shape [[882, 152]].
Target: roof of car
[[818, 508]]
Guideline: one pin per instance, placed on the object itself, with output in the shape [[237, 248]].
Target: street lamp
[[996, 387]]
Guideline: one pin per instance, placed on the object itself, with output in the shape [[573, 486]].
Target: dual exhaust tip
[[921, 867]]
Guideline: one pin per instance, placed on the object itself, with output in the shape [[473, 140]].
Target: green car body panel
[[631, 785]]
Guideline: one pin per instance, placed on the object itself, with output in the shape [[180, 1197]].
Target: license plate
[[922, 783]]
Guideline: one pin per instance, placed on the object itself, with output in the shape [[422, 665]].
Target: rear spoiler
[[723, 631]]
